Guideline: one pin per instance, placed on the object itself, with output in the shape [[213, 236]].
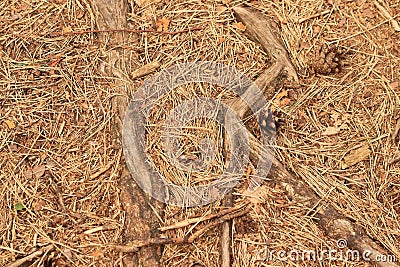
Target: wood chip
[[331, 131], [146, 69], [356, 156]]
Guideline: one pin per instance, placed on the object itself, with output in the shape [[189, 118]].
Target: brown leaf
[[356, 156], [10, 124], [55, 62], [259, 195], [394, 85], [96, 253], [39, 170], [67, 29], [39, 205], [284, 102], [368, 13], [28, 173], [341, 22], [281, 95], [221, 8], [316, 29], [162, 24], [239, 26]]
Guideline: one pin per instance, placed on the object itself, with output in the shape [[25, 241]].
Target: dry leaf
[[304, 45], [28, 173], [67, 29], [239, 25], [316, 29], [394, 85], [341, 22], [225, 2], [38, 205], [10, 124], [162, 24], [221, 40], [284, 102], [259, 195], [97, 254], [368, 13], [38, 171], [55, 62], [356, 156], [221, 8], [282, 94], [331, 131]]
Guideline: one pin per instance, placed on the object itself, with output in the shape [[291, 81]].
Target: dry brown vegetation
[[60, 159]]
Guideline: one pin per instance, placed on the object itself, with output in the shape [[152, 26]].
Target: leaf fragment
[[356, 156]]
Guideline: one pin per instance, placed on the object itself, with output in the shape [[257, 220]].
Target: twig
[[124, 30], [396, 130], [134, 246], [201, 219], [218, 221], [225, 235], [316, 15], [100, 228], [387, 15], [30, 257], [101, 171]]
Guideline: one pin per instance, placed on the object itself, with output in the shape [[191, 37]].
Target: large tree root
[[336, 225], [141, 223]]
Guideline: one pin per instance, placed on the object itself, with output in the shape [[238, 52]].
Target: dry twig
[[32, 256]]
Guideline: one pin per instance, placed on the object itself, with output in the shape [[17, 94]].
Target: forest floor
[[60, 159]]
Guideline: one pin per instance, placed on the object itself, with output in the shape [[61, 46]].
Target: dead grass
[[60, 159]]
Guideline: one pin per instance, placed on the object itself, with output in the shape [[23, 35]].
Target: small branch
[[225, 235], [201, 219], [145, 69], [264, 31], [124, 30], [101, 171], [134, 246], [396, 130], [217, 222], [316, 15], [30, 257], [100, 228], [387, 15]]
